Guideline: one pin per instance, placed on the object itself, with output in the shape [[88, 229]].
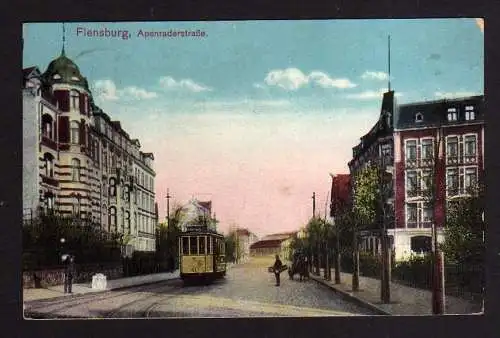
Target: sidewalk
[[79, 289], [404, 300]]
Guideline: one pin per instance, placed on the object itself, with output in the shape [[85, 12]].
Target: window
[[452, 147], [126, 193], [210, 245], [75, 170], [411, 149], [411, 183], [426, 180], [419, 117], [135, 220], [469, 113], [202, 240], [185, 245], [452, 114], [470, 145], [427, 213], [427, 151], [452, 181], [50, 201], [112, 217], [105, 159], [49, 165], [112, 187], [75, 96], [75, 132], [421, 244], [411, 214], [47, 126], [193, 245], [470, 178]]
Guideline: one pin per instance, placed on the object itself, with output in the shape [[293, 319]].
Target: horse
[[299, 266]]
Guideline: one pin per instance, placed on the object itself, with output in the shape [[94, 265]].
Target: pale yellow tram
[[202, 255]]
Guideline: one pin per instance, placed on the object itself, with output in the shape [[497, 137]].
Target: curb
[[350, 297], [82, 294]]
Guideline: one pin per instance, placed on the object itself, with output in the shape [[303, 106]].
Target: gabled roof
[[31, 72]]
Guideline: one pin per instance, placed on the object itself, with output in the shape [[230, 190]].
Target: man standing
[[277, 269], [69, 273]]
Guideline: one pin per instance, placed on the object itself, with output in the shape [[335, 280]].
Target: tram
[[201, 254]]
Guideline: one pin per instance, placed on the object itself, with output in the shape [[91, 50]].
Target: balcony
[[50, 181], [411, 163], [427, 162], [452, 160], [48, 142], [470, 159]]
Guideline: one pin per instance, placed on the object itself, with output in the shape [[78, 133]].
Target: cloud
[[139, 93], [169, 83], [370, 94], [480, 24], [370, 75], [106, 91], [454, 94], [293, 79]]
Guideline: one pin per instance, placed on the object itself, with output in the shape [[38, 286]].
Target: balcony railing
[[46, 141], [470, 159], [50, 181], [420, 192], [418, 225], [411, 162], [427, 162], [452, 160]]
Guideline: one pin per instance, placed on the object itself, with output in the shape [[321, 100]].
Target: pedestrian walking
[[69, 274], [278, 265]]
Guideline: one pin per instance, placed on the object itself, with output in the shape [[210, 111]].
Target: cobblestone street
[[247, 291]]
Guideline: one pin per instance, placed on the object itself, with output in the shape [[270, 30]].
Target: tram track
[[35, 306]]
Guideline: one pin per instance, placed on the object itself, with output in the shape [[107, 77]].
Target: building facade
[[79, 163], [437, 143], [422, 144]]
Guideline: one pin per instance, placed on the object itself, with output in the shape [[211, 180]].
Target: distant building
[[197, 214], [275, 244], [245, 239]]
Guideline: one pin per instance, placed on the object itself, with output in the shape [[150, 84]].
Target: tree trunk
[[385, 291], [355, 262], [327, 262], [438, 296], [337, 260]]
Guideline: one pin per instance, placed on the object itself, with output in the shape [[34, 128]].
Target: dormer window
[[470, 113], [56, 77], [74, 78], [419, 117], [452, 114]]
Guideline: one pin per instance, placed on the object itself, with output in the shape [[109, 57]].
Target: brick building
[[456, 127], [78, 162], [403, 142]]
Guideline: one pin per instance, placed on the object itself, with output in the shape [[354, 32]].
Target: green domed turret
[[64, 70]]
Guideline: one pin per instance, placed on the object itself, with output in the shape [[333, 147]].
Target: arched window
[[112, 218], [126, 193], [421, 244], [75, 132], [75, 170], [47, 126], [49, 164], [49, 198], [112, 187], [75, 96]]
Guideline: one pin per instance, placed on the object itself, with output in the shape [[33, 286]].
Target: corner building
[[78, 162]]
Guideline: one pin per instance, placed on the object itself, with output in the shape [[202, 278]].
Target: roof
[[280, 236], [66, 70], [434, 113], [275, 243]]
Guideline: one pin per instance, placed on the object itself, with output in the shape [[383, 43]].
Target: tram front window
[[193, 245], [185, 245]]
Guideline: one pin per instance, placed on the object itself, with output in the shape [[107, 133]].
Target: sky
[[256, 115]]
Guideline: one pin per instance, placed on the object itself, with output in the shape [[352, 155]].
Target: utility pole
[[438, 301], [328, 274], [314, 204], [168, 197]]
